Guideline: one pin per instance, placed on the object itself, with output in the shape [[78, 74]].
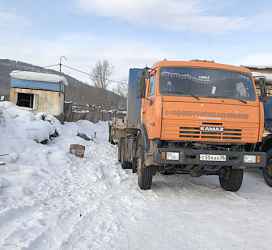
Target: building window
[[25, 100]]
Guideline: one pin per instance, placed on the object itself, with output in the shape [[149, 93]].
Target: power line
[[77, 70], [83, 72], [88, 74]]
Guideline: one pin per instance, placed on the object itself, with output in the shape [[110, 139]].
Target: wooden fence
[[76, 112]]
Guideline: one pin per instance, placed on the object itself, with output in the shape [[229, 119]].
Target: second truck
[[192, 117]]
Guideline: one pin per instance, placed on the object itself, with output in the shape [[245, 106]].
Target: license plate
[[207, 157]]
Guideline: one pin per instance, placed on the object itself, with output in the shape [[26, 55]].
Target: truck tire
[[267, 170], [124, 164], [119, 151], [145, 174], [110, 139], [231, 179], [134, 166]]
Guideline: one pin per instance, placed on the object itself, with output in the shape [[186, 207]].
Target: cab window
[[152, 86]]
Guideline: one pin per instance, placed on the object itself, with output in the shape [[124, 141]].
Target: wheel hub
[[269, 169]]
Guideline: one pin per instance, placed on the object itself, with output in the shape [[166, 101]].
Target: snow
[[268, 76], [19, 126], [50, 199], [34, 76], [258, 66]]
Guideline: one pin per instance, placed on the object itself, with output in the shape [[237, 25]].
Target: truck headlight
[[172, 156], [250, 159]]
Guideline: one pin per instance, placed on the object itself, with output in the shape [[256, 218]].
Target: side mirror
[[263, 88], [142, 84], [142, 87]]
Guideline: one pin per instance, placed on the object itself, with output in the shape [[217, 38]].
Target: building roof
[[267, 76], [260, 67], [34, 76]]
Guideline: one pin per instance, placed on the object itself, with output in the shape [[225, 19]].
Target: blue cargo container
[[134, 99]]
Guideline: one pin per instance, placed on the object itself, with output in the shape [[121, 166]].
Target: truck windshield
[[212, 83]]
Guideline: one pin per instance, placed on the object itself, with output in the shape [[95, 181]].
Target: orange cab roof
[[201, 64]]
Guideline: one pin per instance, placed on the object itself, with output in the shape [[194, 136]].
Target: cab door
[[149, 114]]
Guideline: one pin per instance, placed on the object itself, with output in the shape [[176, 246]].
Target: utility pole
[[60, 62]]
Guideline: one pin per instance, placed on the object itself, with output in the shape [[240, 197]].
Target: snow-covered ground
[[49, 199]]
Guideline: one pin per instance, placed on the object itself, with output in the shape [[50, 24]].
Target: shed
[[38, 91]]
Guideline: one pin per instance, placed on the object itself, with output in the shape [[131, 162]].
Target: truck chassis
[[149, 157]]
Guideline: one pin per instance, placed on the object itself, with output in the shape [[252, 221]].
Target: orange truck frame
[[192, 117]]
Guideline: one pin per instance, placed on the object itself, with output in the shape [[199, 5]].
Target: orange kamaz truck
[[192, 117]]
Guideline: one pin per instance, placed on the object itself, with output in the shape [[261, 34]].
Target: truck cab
[[197, 118]]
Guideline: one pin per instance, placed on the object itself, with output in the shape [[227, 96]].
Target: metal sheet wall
[[26, 84], [134, 99]]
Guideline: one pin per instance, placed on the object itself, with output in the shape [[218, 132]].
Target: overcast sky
[[135, 33]]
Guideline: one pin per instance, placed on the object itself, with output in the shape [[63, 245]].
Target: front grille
[[196, 133]]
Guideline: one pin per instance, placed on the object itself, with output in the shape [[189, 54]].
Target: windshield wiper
[[224, 97], [243, 101], [184, 93]]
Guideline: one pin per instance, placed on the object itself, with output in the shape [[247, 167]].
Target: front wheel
[[231, 179], [145, 173], [267, 170]]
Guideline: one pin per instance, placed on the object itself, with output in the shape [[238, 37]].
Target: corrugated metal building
[[38, 91], [262, 72]]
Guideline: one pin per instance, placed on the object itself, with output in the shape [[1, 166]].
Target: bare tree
[[122, 89], [101, 73]]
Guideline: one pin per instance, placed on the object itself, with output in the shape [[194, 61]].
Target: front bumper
[[234, 159]]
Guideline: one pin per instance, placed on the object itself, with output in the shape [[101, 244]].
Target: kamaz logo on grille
[[212, 129]]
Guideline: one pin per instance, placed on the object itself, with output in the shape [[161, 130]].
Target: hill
[[77, 91]]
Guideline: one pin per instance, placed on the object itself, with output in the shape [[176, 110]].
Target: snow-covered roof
[[267, 76], [34, 76], [259, 66]]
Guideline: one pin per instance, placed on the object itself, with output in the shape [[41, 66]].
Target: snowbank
[[45, 192], [20, 127]]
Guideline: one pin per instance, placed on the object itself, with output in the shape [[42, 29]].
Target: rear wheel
[[134, 166], [121, 156], [231, 179], [126, 165], [110, 137], [119, 151], [267, 170]]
